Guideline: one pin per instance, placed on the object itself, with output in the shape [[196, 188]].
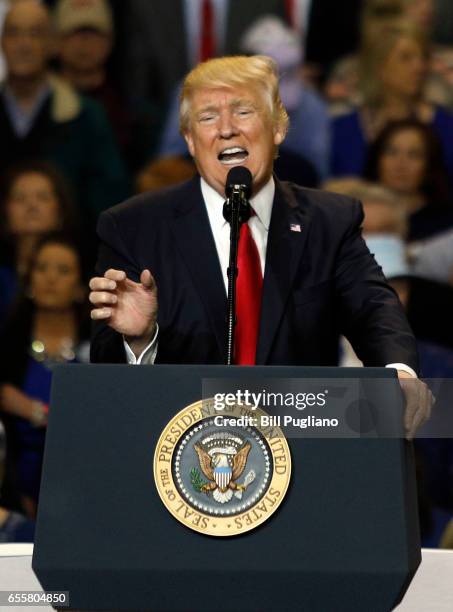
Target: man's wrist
[[138, 344], [403, 368]]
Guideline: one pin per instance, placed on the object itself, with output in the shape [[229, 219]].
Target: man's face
[[231, 127], [85, 49], [26, 39]]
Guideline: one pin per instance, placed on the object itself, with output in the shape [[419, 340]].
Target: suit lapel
[[195, 241], [284, 249]]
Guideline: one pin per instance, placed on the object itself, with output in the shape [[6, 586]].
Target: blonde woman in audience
[[342, 84], [393, 72]]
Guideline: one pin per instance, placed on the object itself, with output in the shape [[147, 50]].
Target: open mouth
[[233, 155]]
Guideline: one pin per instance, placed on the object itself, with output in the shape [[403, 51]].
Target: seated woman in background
[[34, 199], [407, 158], [49, 325], [392, 79], [341, 87]]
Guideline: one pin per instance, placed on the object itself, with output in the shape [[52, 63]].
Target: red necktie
[[291, 13], [249, 288], [207, 37]]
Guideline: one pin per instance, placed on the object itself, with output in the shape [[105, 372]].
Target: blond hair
[[375, 52], [257, 72]]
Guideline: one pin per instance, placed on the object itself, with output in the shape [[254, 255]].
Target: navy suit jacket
[[319, 282]]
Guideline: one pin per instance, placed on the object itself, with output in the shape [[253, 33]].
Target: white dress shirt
[[258, 224], [259, 227]]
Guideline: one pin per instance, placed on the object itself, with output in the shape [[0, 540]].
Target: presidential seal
[[221, 474]]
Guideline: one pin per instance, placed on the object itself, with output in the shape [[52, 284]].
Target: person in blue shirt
[[48, 326]]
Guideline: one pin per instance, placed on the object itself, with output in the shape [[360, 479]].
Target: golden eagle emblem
[[222, 458]]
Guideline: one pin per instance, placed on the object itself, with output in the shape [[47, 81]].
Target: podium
[[345, 537]]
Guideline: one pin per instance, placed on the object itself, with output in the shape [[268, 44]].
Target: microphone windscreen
[[239, 175]]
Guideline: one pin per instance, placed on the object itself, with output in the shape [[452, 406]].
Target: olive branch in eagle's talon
[[196, 480]]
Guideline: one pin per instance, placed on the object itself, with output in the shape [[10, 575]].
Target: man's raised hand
[[128, 307]]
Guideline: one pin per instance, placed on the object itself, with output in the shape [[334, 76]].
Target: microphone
[[236, 211], [239, 178], [238, 189]]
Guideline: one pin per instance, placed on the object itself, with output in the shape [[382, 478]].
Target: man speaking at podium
[[305, 275]]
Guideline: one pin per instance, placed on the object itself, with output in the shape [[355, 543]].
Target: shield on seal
[[222, 472]]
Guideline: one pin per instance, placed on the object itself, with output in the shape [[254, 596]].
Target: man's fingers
[[412, 403], [147, 279], [412, 398], [102, 297], [99, 283], [419, 418], [101, 313], [419, 402], [428, 403], [108, 282], [115, 275]]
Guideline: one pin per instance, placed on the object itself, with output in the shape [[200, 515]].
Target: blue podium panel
[[345, 538]]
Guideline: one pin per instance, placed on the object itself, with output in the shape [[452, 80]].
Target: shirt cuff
[[403, 367], [147, 356]]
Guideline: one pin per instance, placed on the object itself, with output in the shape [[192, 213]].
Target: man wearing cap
[[160, 293], [86, 34]]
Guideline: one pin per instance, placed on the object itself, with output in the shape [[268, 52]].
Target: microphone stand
[[236, 211]]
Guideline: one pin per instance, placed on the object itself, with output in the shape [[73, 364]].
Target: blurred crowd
[[89, 116]]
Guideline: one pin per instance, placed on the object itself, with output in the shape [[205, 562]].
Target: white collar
[[261, 202]]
